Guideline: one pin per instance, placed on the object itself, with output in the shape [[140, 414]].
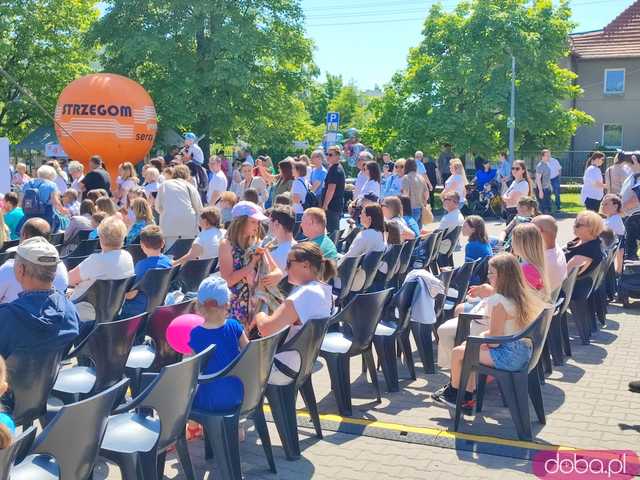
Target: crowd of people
[[265, 222]]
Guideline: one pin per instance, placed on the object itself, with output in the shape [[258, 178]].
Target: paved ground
[[586, 402]]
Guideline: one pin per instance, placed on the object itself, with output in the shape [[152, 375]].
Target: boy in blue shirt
[[228, 336], [151, 242]]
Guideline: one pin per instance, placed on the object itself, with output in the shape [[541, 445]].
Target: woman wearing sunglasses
[[585, 251], [520, 187]]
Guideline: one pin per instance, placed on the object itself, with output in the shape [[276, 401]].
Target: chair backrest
[[360, 318], [401, 302], [253, 366], [73, 262], [607, 261], [171, 395], [180, 247], [445, 277], [452, 235], [428, 245], [346, 242], [347, 273], [567, 289], [369, 266], [136, 252], [56, 238], [460, 279], [4, 256], [157, 330], [84, 234], [85, 248], [73, 437], [392, 259], [587, 282], [436, 246], [22, 443], [405, 255], [481, 269], [106, 297], [307, 342], [537, 333], [32, 375], [9, 244], [155, 284], [107, 347], [334, 236], [192, 273]]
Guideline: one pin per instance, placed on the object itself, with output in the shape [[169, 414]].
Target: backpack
[[32, 205], [200, 174], [310, 200]]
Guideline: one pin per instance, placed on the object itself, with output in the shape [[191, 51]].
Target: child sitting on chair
[[7, 427]]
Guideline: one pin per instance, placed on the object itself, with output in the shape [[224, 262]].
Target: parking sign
[[333, 121]]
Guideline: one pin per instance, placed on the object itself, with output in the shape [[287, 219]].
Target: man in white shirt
[[556, 170], [362, 178], [281, 227], [9, 285], [218, 182], [556, 263], [192, 148]]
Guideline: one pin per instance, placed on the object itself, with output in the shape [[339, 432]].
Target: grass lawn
[[571, 203]]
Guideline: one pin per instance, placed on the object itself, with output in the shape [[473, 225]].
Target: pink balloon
[[179, 331]]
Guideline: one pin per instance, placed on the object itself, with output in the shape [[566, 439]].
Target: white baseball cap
[[248, 209], [37, 250]]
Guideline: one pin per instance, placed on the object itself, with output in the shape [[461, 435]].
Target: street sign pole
[[511, 123]]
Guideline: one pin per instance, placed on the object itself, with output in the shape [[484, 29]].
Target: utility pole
[[511, 123]]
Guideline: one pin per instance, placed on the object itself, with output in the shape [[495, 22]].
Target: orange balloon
[[108, 115]]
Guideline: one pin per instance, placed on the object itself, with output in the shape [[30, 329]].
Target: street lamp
[[511, 122]]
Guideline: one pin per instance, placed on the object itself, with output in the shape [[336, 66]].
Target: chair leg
[[386, 350], [127, 463], [535, 393], [405, 345], [282, 400], [510, 398], [581, 314], [480, 388], [162, 458], [309, 397], [261, 426], [371, 364], [185, 459], [338, 366], [148, 464], [521, 389], [554, 341], [566, 344], [545, 359], [422, 336], [222, 437], [540, 373]]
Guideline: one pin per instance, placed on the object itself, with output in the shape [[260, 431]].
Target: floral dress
[[240, 291]]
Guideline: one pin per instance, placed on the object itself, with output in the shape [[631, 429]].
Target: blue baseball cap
[[214, 289], [190, 136]]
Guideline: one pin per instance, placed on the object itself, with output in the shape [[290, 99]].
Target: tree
[[218, 67], [456, 87], [319, 95], [41, 47]]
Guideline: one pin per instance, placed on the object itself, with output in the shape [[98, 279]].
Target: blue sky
[[366, 41]]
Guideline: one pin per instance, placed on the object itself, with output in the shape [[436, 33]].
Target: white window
[[614, 81], [611, 135]]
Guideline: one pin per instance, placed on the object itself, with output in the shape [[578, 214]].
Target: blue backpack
[[32, 205]]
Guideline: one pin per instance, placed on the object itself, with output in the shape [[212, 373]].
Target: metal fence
[[573, 161]]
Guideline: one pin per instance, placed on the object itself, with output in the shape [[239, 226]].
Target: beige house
[[607, 63]]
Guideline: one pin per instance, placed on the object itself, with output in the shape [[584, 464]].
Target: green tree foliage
[[319, 95], [41, 46], [457, 83], [222, 68]]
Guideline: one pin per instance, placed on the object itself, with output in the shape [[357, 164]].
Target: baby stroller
[[490, 201], [629, 285]]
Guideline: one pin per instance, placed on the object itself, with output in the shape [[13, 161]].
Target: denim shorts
[[511, 356]]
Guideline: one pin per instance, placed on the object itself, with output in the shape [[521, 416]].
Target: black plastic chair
[[426, 245], [73, 262], [404, 261], [252, 368], [347, 273], [155, 285], [56, 238], [9, 244], [153, 355], [136, 440], [457, 291], [101, 360], [433, 261], [136, 252], [582, 311], [85, 248], [344, 243], [180, 247], [423, 332], [22, 443], [369, 267], [84, 234], [32, 375], [446, 259], [391, 329], [106, 297], [4, 256], [558, 332], [357, 323], [516, 386], [598, 299], [481, 271], [68, 446], [192, 273], [282, 398], [391, 259]]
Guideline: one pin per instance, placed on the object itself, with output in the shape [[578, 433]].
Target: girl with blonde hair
[[143, 217], [510, 309], [457, 182], [528, 246], [126, 181]]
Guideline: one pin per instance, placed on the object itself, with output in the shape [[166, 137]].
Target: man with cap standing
[[192, 150], [41, 317]]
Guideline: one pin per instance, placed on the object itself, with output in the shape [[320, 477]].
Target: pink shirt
[[532, 276]]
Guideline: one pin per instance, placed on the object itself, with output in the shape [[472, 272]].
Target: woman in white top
[[76, 170], [151, 183], [311, 299], [126, 180], [299, 189], [372, 182], [457, 182], [520, 187], [178, 204], [593, 183], [206, 244], [371, 238], [62, 179], [511, 309]]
